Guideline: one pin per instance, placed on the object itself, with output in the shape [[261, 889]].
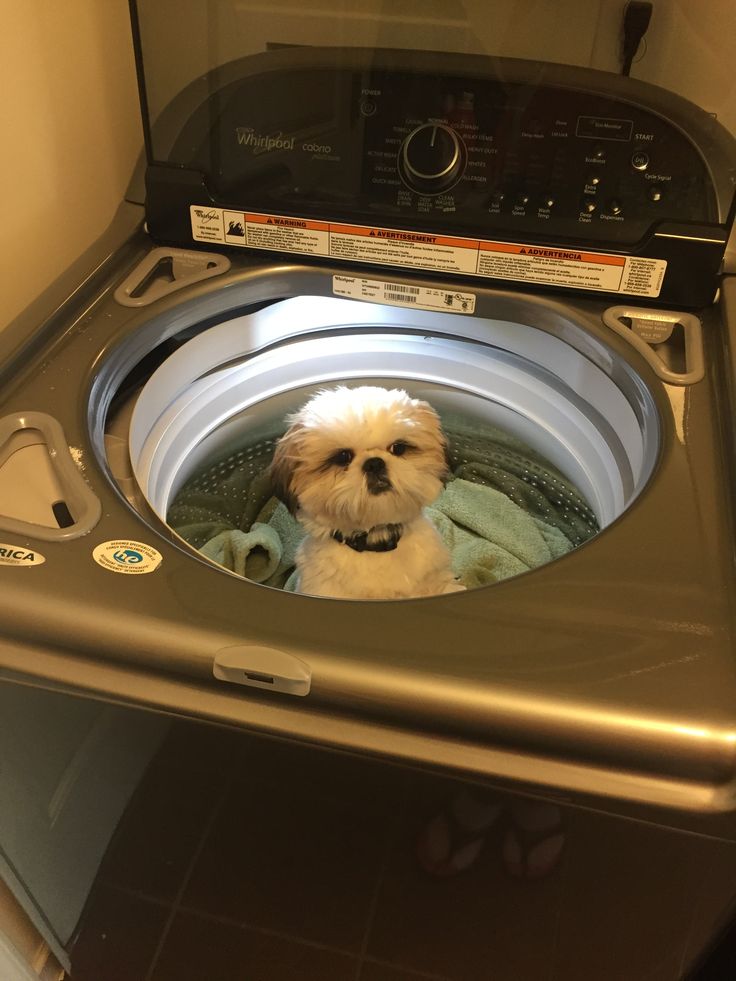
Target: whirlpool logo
[[263, 142]]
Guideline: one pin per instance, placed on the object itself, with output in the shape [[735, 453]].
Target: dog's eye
[[399, 448], [342, 458]]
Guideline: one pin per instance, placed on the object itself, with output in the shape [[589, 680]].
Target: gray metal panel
[[608, 672]]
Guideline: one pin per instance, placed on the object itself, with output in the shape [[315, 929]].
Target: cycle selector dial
[[432, 158]]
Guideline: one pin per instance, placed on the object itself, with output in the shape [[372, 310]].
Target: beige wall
[[21, 944], [69, 135]]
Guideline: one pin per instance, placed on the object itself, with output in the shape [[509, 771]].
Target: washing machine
[[536, 248]]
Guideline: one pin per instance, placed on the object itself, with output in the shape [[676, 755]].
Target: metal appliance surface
[[606, 674]]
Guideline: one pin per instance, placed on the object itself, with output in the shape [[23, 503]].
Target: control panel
[[546, 161], [485, 148]]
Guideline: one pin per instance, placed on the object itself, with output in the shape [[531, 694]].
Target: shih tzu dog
[[356, 467]]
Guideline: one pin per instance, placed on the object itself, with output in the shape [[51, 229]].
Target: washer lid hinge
[[164, 271], [43, 494], [670, 341]]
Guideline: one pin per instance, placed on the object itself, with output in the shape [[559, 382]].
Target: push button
[[655, 194], [640, 160], [588, 207], [614, 207]]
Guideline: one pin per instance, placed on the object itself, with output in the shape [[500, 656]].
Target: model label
[[127, 557], [18, 555], [571, 268], [403, 294]]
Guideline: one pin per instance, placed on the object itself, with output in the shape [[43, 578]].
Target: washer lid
[[438, 157]]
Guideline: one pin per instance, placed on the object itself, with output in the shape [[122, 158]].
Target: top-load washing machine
[[534, 247]]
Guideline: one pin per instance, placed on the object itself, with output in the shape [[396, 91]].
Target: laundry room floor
[[247, 859]]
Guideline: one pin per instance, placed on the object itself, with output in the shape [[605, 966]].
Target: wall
[[69, 133], [692, 51], [22, 951]]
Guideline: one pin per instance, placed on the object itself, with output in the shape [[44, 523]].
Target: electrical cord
[[637, 15]]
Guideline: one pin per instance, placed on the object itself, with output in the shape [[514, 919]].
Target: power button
[[640, 160]]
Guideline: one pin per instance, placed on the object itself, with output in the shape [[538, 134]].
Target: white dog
[[357, 466]]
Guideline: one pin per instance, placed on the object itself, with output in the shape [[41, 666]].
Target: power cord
[[637, 15]]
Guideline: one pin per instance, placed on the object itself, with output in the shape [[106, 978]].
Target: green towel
[[488, 536], [504, 511], [254, 554], [495, 459], [230, 494]]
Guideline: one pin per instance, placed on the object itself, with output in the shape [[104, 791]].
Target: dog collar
[[358, 541]]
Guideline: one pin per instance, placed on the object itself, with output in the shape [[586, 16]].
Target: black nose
[[374, 465]]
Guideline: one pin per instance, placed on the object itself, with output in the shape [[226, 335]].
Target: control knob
[[432, 158]]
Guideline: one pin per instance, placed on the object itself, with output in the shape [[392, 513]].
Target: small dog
[[356, 467]]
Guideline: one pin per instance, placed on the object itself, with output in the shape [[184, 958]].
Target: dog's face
[[355, 458]]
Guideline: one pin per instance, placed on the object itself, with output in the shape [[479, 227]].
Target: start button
[[640, 160]]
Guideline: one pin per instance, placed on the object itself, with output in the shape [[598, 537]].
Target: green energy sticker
[[127, 557]]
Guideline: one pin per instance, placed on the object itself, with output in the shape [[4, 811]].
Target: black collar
[[358, 541]]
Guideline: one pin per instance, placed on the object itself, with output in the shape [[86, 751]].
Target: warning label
[[571, 268], [556, 267]]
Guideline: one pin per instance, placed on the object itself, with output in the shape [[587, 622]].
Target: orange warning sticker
[[546, 265]]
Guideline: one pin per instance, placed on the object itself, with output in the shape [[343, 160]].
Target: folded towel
[[254, 554], [496, 459], [489, 537], [506, 510], [230, 494]]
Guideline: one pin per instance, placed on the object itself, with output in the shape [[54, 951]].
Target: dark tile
[[201, 748], [118, 937], [630, 896], [198, 949], [164, 823], [281, 857], [321, 772], [476, 925], [714, 907]]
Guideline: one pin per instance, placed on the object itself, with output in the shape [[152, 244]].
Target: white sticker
[[403, 294], [130, 558], [568, 267], [18, 555]]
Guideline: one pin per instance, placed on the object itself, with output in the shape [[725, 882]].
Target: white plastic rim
[[248, 372]]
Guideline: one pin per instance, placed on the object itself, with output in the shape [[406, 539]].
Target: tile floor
[[246, 859]]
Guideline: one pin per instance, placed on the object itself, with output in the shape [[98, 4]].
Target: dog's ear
[[281, 471], [430, 420]]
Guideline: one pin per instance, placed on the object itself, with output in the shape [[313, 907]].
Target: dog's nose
[[374, 465]]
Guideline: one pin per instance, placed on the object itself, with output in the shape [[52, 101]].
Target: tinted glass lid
[[421, 136]]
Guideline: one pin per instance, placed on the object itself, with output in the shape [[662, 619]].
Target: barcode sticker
[[402, 294], [398, 298]]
